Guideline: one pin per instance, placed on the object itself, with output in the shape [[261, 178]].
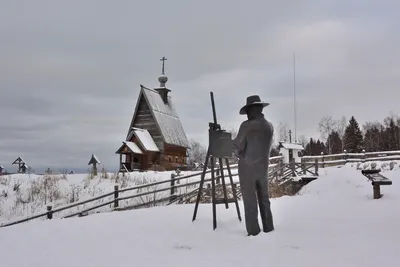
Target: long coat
[[253, 145]]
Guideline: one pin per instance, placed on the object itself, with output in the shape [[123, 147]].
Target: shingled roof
[[165, 116]]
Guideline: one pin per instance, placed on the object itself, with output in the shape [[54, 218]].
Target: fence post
[[363, 156], [216, 171], [116, 195], [234, 190], [303, 166], [316, 167], [322, 160], [346, 157], [172, 193], [49, 212], [280, 170], [293, 167]]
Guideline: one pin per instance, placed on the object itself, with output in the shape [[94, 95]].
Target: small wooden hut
[[155, 136]]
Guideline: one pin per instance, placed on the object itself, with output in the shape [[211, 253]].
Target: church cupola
[[162, 90]]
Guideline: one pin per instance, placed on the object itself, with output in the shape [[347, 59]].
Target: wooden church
[[156, 138]]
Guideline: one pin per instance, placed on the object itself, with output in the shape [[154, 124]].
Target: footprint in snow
[[292, 247], [185, 247]]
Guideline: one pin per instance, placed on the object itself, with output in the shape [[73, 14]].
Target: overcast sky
[[70, 70]]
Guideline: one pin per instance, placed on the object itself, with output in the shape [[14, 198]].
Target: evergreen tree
[[373, 136], [384, 145], [372, 140], [323, 148], [353, 138], [309, 148], [392, 133], [320, 147], [335, 143], [274, 151]]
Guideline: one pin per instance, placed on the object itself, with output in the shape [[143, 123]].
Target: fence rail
[[277, 170], [343, 158]]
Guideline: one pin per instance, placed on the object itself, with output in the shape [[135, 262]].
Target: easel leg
[[233, 189], [201, 185], [214, 208], [223, 183]]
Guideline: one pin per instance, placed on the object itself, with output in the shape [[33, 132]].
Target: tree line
[[340, 135], [335, 137]]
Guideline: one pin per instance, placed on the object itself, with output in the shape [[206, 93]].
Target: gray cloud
[[70, 70]]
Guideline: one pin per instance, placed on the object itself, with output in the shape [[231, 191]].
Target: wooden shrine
[[22, 166], [155, 136], [94, 161], [290, 151]]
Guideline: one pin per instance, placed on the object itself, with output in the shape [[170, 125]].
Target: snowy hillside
[[332, 222], [23, 195]]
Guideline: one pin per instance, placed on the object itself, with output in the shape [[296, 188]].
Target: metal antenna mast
[[294, 97]]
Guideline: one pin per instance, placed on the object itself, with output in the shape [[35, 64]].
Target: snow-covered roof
[[94, 159], [18, 160], [131, 146], [291, 146], [145, 139], [165, 116]]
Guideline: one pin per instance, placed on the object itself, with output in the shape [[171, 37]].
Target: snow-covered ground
[[24, 195], [332, 222]]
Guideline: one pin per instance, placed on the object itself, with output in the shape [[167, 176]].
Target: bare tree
[[234, 132], [283, 131], [303, 140], [197, 152], [371, 125], [325, 127], [341, 128]]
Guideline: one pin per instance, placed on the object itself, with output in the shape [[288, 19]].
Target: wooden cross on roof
[[163, 59]]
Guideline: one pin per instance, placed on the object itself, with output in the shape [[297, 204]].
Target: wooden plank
[[309, 178], [222, 201], [376, 178]]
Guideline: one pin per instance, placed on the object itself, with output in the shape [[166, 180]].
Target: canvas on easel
[[219, 148]]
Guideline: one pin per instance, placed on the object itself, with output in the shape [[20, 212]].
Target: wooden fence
[[278, 171], [343, 158]]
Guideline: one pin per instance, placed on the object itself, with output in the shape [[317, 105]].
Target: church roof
[[165, 115], [144, 138]]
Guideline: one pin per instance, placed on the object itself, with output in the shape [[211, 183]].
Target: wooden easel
[[219, 148]]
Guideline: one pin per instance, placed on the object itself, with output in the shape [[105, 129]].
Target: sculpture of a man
[[253, 145]]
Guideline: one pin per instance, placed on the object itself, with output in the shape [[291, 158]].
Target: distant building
[[155, 136], [290, 151]]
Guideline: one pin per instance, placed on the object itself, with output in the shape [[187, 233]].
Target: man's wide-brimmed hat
[[252, 100]]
